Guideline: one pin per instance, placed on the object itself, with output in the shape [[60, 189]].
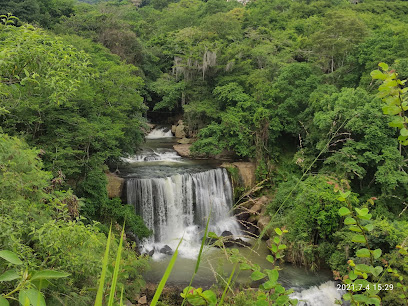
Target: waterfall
[[161, 132], [324, 295], [179, 205], [147, 155]]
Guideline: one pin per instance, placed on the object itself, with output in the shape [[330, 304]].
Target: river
[[175, 195]]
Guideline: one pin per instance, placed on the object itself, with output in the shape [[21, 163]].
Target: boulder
[[253, 219], [128, 303], [166, 250], [229, 239], [226, 234], [115, 185], [173, 129], [185, 140], [151, 252], [241, 243], [180, 130], [246, 172], [241, 214], [256, 208], [262, 224], [142, 300], [183, 149], [250, 229]]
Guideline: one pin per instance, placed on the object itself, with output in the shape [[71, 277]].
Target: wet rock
[[115, 185], [229, 240], [241, 243], [166, 250], [250, 229], [241, 214], [151, 252], [226, 234]]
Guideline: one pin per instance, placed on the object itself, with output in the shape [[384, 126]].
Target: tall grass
[[99, 295]]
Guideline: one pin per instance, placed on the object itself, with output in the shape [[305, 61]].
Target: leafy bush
[[35, 223]]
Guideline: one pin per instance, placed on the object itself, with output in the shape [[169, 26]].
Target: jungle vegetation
[[286, 84]]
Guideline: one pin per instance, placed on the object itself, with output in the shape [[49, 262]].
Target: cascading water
[[324, 295], [175, 195], [154, 156], [178, 206], [157, 133]]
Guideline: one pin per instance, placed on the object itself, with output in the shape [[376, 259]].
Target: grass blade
[[121, 297], [116, 270], [165, 276], [228, 284], [99, 295]]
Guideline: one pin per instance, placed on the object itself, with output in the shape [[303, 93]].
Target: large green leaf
[[377, 253], [363, 253], [358, 239], [3, 301], [349, 221], [377, 270], [377, 74], [344, 211], [10, 257], [9, 276], [210, 297], [32, 296], [257, 275]]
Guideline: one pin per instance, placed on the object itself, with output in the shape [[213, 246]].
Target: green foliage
[[270, 292], [361, 275], [36, 224], [99, 294], [45, 13], [393, 94], [83, 109], [316, 199], [28, 283]]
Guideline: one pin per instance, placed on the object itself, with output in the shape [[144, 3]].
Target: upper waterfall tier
[[160, 132], [151, 155]]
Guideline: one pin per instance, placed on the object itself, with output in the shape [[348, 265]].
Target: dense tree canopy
[[285, 84]]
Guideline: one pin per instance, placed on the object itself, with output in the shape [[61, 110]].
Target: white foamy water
[[177, 206], [324, 295], [160, 132], [154, 156]]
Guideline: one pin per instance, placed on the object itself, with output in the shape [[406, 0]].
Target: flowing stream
[[175, 195]]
